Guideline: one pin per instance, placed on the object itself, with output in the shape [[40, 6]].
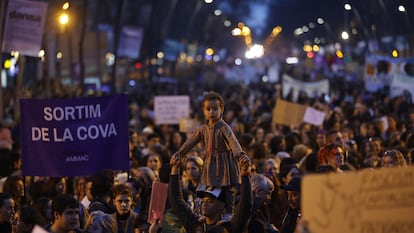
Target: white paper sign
[[312, 89], [170, 109], [402, 83], [23, 32], [313, 116], [38, 229]]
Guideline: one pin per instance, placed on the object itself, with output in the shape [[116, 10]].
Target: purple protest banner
[[74, 137]]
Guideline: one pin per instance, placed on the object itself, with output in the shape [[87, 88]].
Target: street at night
[[273, 116]]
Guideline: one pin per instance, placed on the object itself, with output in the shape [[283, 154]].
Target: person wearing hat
[[293, 213], [213, 204]]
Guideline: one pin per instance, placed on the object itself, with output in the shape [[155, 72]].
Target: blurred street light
[[339, 54], [64, 41], [238, 61], [236, 32], [311, 25], [345, 35], [292, 60], [276, 30], [401, 8], [298, 31], [41, 53], [320, 21], [307, 48], [65, 5], [394, 53], [7, 64], [63, 19], [269, 40], [209, 51], [256, 51], [244, 31], [160, 55]]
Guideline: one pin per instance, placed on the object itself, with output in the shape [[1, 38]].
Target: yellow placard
[[287, 113]]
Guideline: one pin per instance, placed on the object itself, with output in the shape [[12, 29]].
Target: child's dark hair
[[121, 189], [29, 215], [63, 201], [212, 95], [102, 183]]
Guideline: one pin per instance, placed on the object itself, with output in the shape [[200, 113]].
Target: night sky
[[194, 21], [263, 15]]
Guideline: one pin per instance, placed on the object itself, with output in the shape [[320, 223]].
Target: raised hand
[[245, 163], [175, 159], [244, 159], [175, 164]]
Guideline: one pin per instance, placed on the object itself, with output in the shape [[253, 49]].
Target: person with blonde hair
[[193, 168], [99, 222], [393, 158]]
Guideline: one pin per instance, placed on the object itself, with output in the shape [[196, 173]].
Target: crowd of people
[[257, 191]]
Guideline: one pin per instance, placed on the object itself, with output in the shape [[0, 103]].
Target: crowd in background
[[361, 130]]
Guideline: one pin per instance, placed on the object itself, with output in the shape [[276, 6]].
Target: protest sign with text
[[23, 30], [74, 137], [170, 109]]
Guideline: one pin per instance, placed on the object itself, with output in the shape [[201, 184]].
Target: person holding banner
[[101, 190], [213, 205], [14, 186], [222, 149]]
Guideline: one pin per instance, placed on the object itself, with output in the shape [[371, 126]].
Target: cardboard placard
[[287, 113], [380, 201]]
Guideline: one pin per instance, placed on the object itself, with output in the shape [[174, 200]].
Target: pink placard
[[158, 200]]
